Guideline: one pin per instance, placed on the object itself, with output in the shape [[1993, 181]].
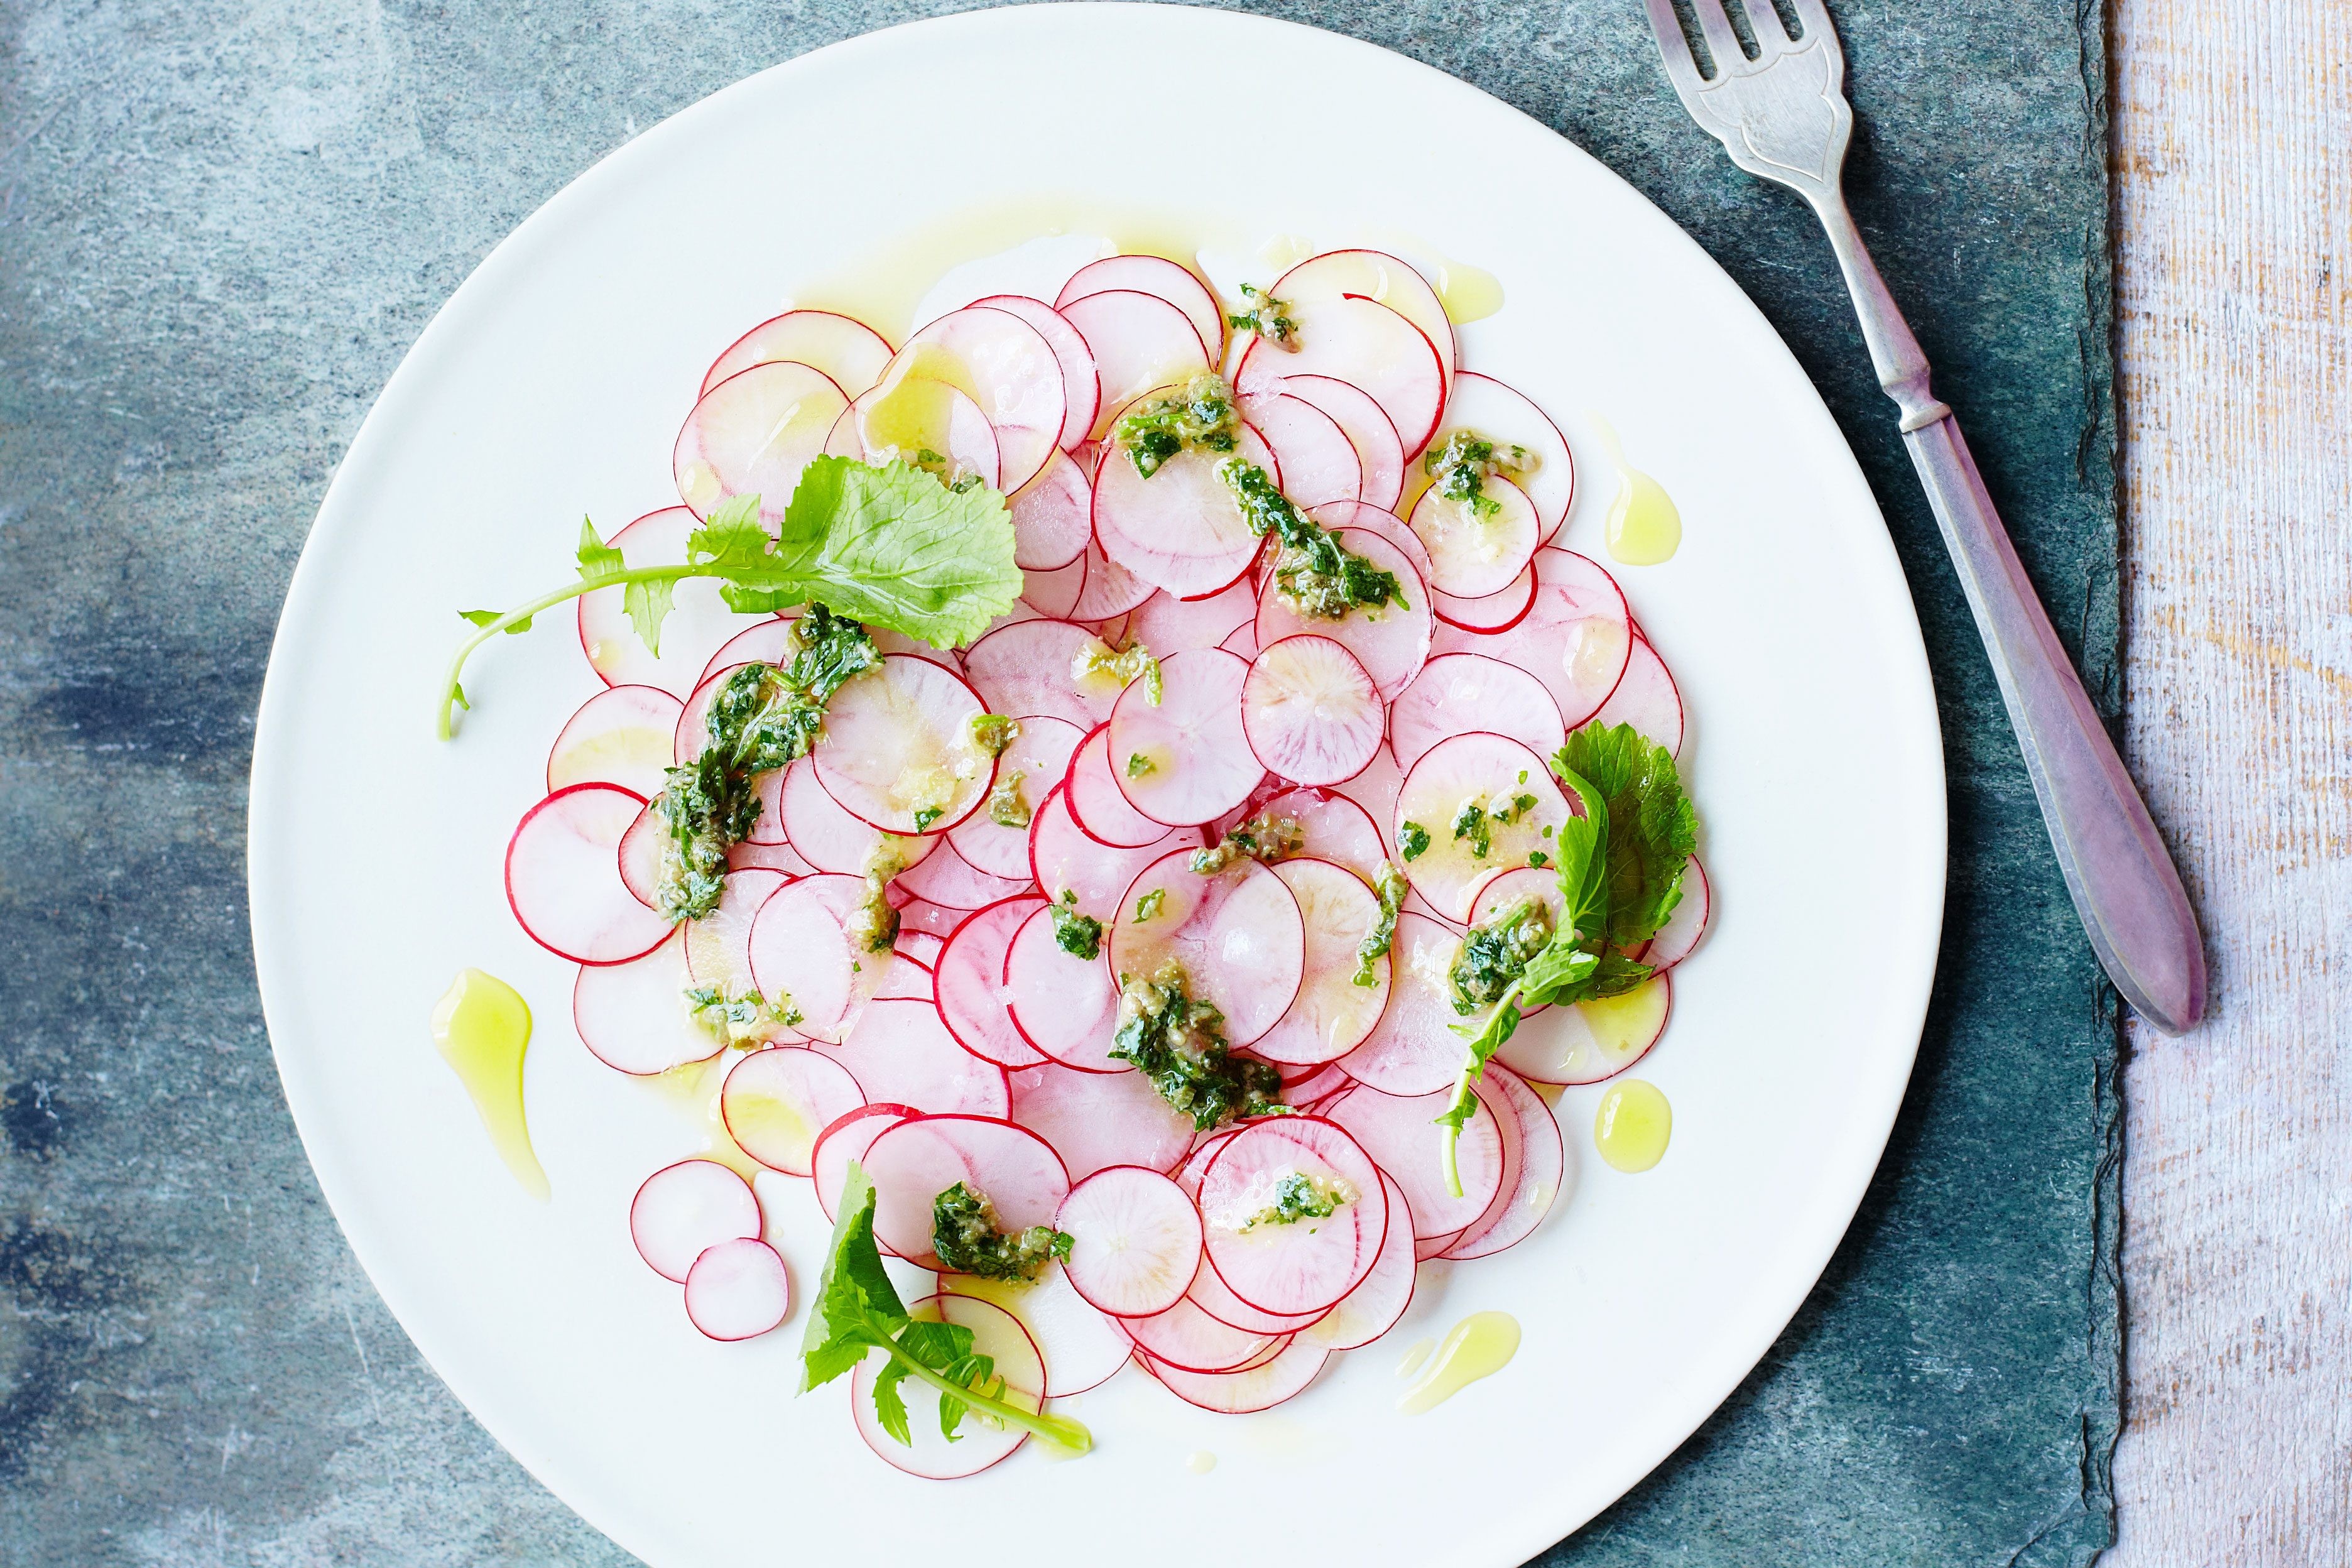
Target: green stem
[[1472, 1064], [1058, 1430], [449, 689]]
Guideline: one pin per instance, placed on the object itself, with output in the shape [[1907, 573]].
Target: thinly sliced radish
[[1374, 791], [801, 948], [776, 1101], [1685, 925], [1317, 1088], [979, 1443], [848, 352], [1031, 667], [1413, 1049], [920, 917], [904, 417], [683, 1209], [945, 878], [1332, 1015], [1081, 388], [1185, 758], [1401, 1132], [1318, 462], [1590, 1041], [1242, 643], [1337, 515], [1135, 1240], [738, 1289], [1301, 1265], [1010, 369], [1373, 1307], [1156, 275], [1140, 341], [1368, 345], [969, 984], [1370, 275], [698, 620], [912, 1163], [905, 979], [1646, 699], [752, 433], [923, 946], [1180, 527], [563, 877], [641, 855], [1064, 1006], [747, 856], [1502, 889], [1495, 612], [1458, 692], [1335, 827], [1168, 624], [1186, 1337], [1283, 1376], [1091, 791], [1083, 1348], [827, 836], [633, 1017], [1212, 1295], [1062, 858], [1576, 637], [1310, 711], [1095, 1119], [1495, 412], [1053, 594], [901, 1051], [848, 1139], [1379, 454], [1487, 773], [1474, 551], [1109, 590], [1390, 642], [620, 736], [1237, 936], [1542, 1168], [897, 750], [719, 949], [1053, 517]]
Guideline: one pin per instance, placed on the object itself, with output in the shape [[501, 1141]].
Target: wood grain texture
[[2233, 145]]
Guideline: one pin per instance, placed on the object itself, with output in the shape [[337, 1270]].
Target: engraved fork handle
[[2123, 880]]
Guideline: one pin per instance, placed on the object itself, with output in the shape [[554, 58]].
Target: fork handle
[[2124, 883]]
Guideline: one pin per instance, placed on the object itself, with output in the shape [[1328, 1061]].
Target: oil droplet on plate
[[1468, 293], [1285, 251], [1414, 1354], [1646, 527], [482, 1026], [1480, 1345], [1633, 1124], [1200, 1461]]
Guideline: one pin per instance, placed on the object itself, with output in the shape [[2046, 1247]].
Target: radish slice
[[1156, 275], [750, 856], [1495, 612], [1135, 1240], [752, 433], [1051, 595], [905, 979], [897, 750], [1302, 1265], [979, 1444], [563, 877], [1053, 517], [969, 984], [1091, 791], [947, 879], [1542, 1163], [1647, 700], [684, 1209], [1184, 1335], [1336, 515], [1311, 712], [775, 1102], [848, 1139], [1576, 637], [1283, 1376], [1317, 461], [1030, 668], [1064, 859], [1211, 1294], [1413, 1049], [698, 620], [902, 1052], [920, 917], [1187, 757], [633, 1018], [800, 949], [1589, 1041], [909, 415], [620, 736], [719, 949], [1380, 454], [1111, 589], [824, 832], [923, 946], [1237, 935], [1242, 643], [1399, 1133], [693, 731], [912, 1163], [1493, 412], [1370, 275], [1489, 774], [1064, 1006], [1180, 528], [1094, 1120], [1390, 642], [1375, 791], [1373, 1307], [1332, 1015], [1368, 345], [1502, 889], [1684, 926], [1335, 828], [737, 1291], [1138, 342], [1456, 692], [767, 639], [1475, 553], [1007, 367], [1321, 1085], [848, 352], [641, 856], [1082, 1349], [1081, 390], [1168, 624]]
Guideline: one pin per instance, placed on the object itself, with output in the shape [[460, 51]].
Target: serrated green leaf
[[598, 560], [1650, 826], [647, 605], [887, 542]]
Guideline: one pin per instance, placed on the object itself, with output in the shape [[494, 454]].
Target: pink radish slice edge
[[848, 1139], [968, 984], [682, 1210], [1065, 1006], [916, 1161], [1299, 1266], [1135, 1240], [997, 1334], [1237, 935], [621, 736], [564, 878], [628, 1015], [1309, 711], [775, 1103], [1081, 387], [1685, 925], [737, 1291], [1187, 757]]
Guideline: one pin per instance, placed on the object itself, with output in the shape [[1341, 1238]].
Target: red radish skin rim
[[743, 1253], [1286, 1126], [1126, 1173], [507, 879], [692, 1170]]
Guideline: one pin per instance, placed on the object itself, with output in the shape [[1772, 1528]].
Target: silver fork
[[1783, 116]]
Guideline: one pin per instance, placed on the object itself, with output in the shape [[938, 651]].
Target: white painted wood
[[2233, 148]]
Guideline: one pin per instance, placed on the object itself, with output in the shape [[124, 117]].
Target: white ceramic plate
[[552, 384]]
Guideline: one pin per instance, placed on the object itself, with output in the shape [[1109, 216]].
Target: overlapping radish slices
[[1205, 780]]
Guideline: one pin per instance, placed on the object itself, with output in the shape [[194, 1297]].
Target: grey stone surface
[[221, 226]]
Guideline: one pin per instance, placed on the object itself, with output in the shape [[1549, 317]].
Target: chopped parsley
[[1179, 1044], [1496, 951], [1137, 764], [1473, 823], [740, 1017], [1537, 859], [1007, 806], [1459, 469], [926, 816], [1322, 578], [992, 732], [1298, 1195], [1202, 415], [1150, 904], [1261, 838], [1079, 935], [1390, 884], [1412, 840], [968, 1240], [873, 925], [1267, 317]]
